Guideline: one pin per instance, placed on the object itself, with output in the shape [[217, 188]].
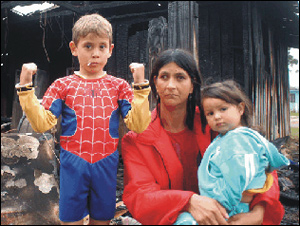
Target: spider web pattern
[[92, 101]]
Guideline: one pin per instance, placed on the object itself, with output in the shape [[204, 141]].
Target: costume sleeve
[[274, 210], [139, 117], [40, 119], [145, 199]]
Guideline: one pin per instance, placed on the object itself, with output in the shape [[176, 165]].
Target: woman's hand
[[254, 217], [207, 211]]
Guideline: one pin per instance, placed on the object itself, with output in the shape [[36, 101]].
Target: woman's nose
[[171, 83]]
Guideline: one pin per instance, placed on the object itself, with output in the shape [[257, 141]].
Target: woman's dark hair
[[187, 62], [232, 93]]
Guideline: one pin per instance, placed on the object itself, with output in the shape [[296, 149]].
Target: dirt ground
[[290, 196], [288, 181]]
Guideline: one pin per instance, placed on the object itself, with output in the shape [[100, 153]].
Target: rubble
[[28, 165], [288, 179]]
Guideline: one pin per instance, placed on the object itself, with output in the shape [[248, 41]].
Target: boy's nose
[[96, 53]]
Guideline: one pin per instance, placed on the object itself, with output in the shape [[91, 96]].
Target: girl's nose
[[217, 115]]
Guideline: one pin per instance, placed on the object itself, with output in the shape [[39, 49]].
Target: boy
[[90, 102]]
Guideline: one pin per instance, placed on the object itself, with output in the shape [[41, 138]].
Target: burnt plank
[[204, 53], [227, 61], [215, 43]]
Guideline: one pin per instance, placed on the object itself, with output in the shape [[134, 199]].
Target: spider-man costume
[[90, 110]]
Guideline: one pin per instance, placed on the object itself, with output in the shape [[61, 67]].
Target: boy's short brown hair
[[93, 23]]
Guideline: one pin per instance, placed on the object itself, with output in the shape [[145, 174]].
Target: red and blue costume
[[90, 110]]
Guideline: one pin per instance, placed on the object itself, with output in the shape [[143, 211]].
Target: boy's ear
[[73, 48], [111, 49]]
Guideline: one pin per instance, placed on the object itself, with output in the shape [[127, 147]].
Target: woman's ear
[[192, 88], [73, 48]]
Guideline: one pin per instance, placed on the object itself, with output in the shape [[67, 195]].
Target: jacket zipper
[[164, 167]]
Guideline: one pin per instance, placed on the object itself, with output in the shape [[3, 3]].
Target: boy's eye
[[102, 46], [88, 46]]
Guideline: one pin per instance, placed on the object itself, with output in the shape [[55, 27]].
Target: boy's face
[[93, 52]]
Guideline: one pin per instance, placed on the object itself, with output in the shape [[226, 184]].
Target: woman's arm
[[147, 196], [274, 210], [207, 211], [265, 208]]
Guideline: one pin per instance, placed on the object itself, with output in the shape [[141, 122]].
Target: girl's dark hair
[[231, 92], [187, 62]]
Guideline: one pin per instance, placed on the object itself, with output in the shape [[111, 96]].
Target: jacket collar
[[156, 136]]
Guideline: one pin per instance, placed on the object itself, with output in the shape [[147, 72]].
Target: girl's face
[[222, 116], [93, 52], [173, 85]]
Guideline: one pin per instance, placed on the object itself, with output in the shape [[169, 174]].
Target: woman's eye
[[180, 77], [164, 77], [223, 109]]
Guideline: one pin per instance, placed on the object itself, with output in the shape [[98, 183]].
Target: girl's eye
[[209, 113]]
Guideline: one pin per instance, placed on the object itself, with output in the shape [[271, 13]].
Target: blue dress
[[233, 163]]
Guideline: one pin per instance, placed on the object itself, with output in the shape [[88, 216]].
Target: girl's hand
[[254, 217], [28, 70], [207, 211], [138, 72]]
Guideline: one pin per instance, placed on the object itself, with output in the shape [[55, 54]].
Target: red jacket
[[153, 177]]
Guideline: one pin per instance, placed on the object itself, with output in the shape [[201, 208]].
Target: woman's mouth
[[170, 95]]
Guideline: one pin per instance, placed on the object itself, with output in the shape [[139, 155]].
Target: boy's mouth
[[92, 63]]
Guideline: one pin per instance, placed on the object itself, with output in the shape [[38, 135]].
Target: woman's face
[[173, 85]]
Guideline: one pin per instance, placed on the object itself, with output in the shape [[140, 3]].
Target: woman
[[161, 163]]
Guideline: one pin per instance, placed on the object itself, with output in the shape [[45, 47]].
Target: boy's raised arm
[[139, 117], [40, 119]]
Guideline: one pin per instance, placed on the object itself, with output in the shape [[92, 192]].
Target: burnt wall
[[221, 41], [26, 40]]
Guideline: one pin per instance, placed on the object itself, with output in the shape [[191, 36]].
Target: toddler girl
[[238, 163]]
